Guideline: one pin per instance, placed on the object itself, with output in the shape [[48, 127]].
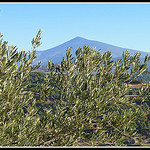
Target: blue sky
[[121, 24]]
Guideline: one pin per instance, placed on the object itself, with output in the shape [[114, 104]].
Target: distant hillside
[[42, 68], [57, 53]]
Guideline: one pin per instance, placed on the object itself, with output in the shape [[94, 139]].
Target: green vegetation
[[18, 119], [145, 77], [81, 100], [42, 68]]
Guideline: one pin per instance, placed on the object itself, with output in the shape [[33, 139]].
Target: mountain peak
[[57, 53], [80, 38]]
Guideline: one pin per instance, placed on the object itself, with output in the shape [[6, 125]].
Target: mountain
[[57, 53]]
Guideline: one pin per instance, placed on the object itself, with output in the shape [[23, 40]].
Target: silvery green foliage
[[18, 123], [92, 106]]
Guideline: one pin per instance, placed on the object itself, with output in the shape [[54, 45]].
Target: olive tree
[[92, 108], [18, 120]]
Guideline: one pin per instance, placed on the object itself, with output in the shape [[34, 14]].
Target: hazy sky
[[121, 24]]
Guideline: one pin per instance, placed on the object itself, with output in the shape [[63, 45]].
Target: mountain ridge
[[58, 52]]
